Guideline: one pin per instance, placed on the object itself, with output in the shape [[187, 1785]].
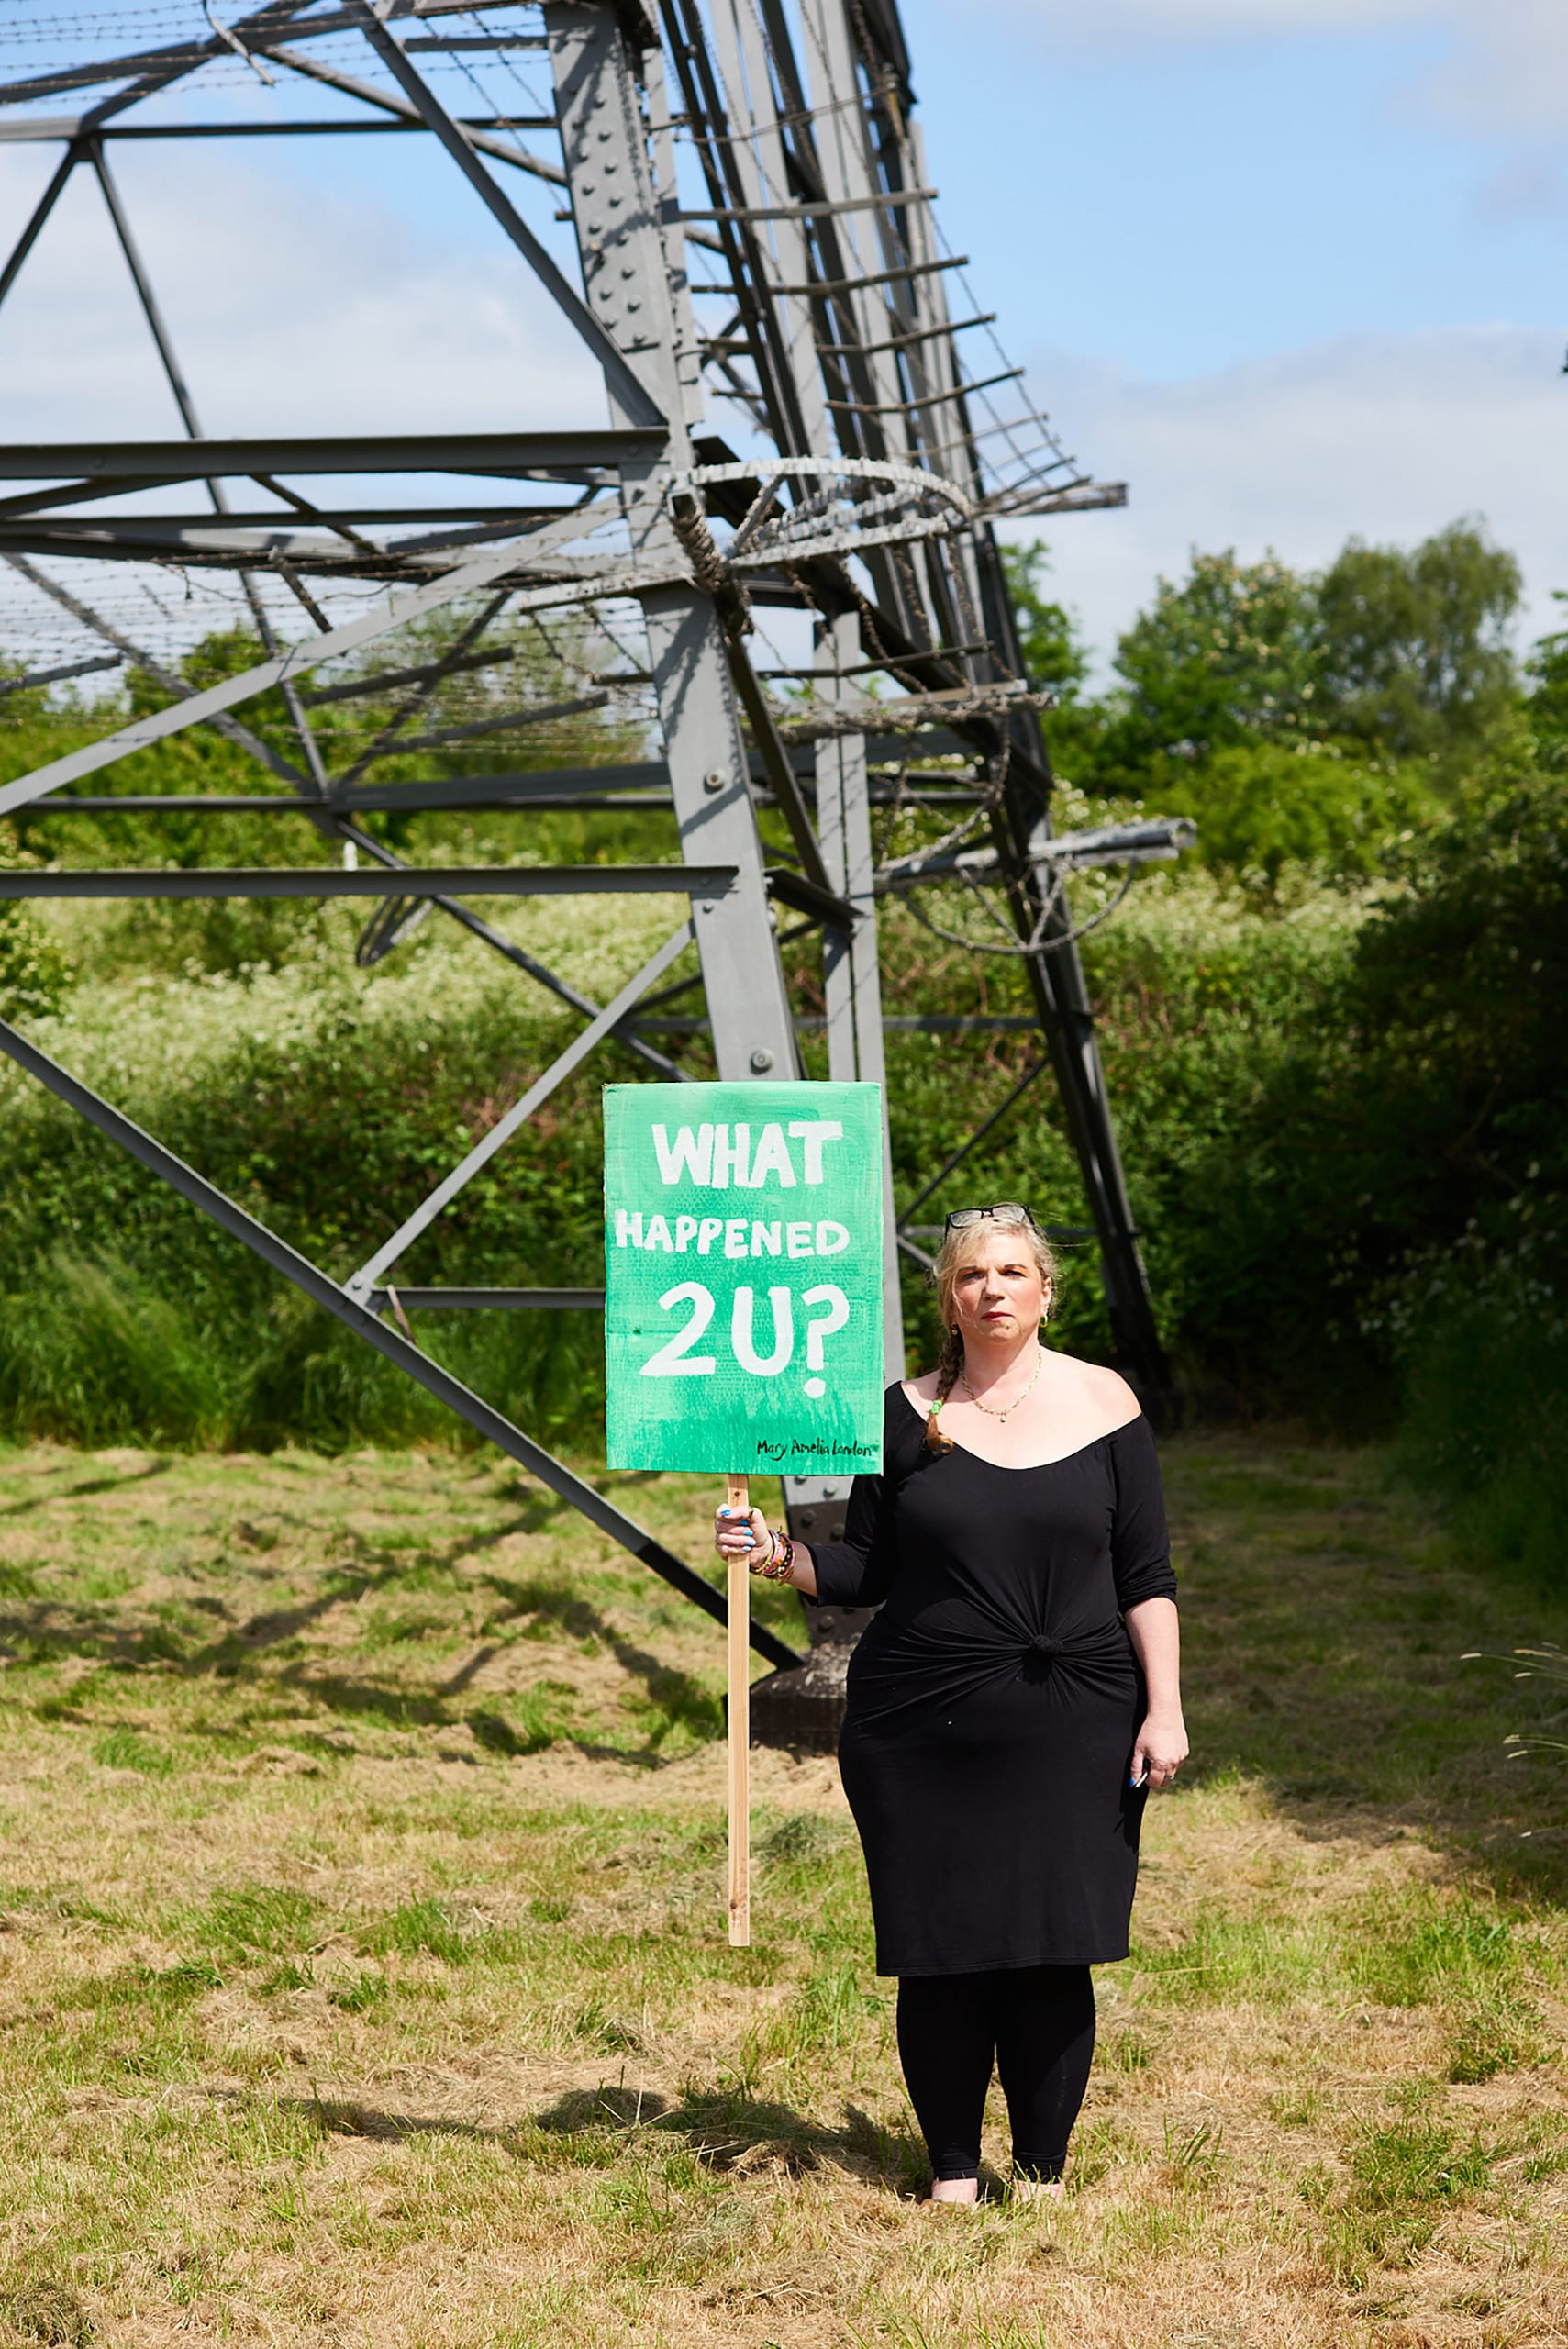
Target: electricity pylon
[[746, 190]]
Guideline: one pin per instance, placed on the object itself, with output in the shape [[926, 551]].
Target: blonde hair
[[956, 1250]]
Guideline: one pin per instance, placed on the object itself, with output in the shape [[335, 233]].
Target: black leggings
[[1036, 2022]]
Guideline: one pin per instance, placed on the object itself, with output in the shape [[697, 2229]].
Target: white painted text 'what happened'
[[735, 1235], [714, 1157]]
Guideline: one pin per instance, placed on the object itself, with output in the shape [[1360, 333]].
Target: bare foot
[[1039, 2189], [962, 2190]]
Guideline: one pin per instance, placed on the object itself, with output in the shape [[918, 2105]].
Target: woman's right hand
[[738, 1534]]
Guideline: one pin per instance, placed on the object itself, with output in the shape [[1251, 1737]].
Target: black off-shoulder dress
[[993, 1702]]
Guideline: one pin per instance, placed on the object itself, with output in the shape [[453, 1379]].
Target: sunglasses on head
[[1005, 1211]]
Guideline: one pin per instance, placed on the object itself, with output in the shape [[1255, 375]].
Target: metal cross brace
[[322, 1291], [396, 612], [360, 1284]]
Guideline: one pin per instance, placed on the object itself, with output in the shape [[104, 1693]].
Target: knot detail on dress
[[913, 1672]]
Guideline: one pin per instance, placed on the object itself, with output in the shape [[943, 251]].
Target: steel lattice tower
[[755, 232]]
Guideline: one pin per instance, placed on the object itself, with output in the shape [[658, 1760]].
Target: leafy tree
[[1460, 982], [1413, 1103], [1263, 808], [1228, 656], [1548, 705], [1413, 657], [1304, 719]]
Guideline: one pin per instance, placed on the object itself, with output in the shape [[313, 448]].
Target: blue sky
[[1293, 269], [1182, 203]]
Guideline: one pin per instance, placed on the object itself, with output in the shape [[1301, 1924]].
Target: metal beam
[[507, 721], [786, 784], [552, 788], [627, 273], [396, 1348], [144, 293], [399, 881], [893, 1023], [63, 670], [426, 673], [49, 129], [407, 119], [76, 493], [547, 803], [334, 521], [850, 964], [519, 456], [1057, 981], [902, 276], [35, 226], [398, 609], [886, 200], [952, 1164], [488, 1300]]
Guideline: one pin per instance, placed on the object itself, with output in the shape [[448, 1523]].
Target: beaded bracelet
[[778, 1566]]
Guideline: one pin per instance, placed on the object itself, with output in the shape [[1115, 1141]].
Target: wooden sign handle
[[737, 1499]]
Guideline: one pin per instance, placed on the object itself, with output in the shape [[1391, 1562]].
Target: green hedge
[[1317, 1094]]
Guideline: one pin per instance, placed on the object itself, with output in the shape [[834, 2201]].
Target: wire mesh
[[166, 609]]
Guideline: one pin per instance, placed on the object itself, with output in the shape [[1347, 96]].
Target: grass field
[[364, 1976]]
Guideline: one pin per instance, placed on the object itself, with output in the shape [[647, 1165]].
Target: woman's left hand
[[1160, 1749]]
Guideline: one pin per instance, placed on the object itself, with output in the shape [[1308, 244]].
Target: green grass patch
[[1225, 1955], [252, 1921], [127, 1749], [1412, 1961], [1401, 2180]]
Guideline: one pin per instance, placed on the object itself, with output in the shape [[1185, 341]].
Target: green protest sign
[[743, 1277]]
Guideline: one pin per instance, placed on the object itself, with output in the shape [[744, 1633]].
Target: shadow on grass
[[142, 1645], [738, 2133], [674, 1694], [86, 1492], [733, 2134], [52, 1632], [1326, 1624], [275, 1627], [673, 1697]]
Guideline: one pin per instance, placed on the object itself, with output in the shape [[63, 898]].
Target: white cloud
[[1509, 71], [293, 310], [1385, 437], [1505, 67], [1094, 23]]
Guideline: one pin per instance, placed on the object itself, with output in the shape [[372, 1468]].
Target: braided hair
[[950, 1362], [955, 1253]]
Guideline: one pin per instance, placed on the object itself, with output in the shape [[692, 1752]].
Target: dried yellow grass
[[363, 1973]]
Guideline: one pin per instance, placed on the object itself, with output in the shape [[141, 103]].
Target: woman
[[1011, 1703]]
